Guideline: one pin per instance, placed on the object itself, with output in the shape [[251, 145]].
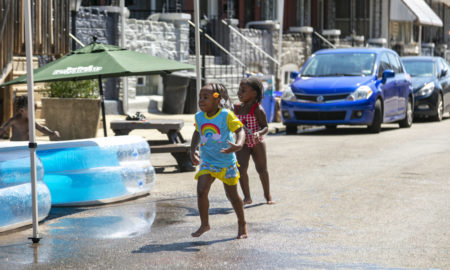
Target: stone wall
[[296, 48], [165, 35], [168, 39], [154, 38], [96, 22]]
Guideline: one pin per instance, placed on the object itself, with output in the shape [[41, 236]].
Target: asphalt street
[[345, 199]]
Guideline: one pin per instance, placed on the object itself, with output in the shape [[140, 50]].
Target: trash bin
[[269, 104], [174, 93]]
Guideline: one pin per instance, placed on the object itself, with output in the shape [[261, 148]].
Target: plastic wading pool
[[15, 189], [94, 171]]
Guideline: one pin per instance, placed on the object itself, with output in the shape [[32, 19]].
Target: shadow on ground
[[184, 246]]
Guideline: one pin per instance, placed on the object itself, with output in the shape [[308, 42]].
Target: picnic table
[[175, 144]]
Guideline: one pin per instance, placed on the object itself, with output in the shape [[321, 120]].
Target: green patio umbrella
[[99, 61]]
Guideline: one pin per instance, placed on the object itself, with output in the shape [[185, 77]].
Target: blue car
[[356, 86], [431, 85]]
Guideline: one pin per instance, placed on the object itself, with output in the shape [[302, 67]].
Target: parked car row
[[431, 86], [365, 86]]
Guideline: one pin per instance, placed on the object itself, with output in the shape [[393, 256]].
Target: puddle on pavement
[[117, 221], [65, 227]]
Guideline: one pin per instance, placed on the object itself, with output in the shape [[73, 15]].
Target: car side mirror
[[294, 74], [444, 72], [388, 73]]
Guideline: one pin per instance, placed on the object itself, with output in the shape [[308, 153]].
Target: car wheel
[[439, 109], [375, 127], [291, 129], [407, 121]]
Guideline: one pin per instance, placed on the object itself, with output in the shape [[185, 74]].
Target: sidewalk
[[186, 131]]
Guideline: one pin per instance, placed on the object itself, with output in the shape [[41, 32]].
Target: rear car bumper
[[335, 113]]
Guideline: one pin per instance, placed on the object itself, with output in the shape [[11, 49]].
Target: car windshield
[[419, 68], [340, 64]]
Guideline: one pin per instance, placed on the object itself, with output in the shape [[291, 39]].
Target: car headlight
[[363, 92], [288, 94], [426, 90]]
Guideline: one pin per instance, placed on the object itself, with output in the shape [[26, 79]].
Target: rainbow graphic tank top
[[214, 133]]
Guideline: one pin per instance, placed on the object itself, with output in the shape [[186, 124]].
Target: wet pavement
[[144, 234], [345, 200]]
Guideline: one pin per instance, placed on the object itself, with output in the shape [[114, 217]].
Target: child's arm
[[234, 147], [195, 158], [7, 125], [46, 131], [260, 116]]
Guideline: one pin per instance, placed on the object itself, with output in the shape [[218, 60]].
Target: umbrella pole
[[197, 47], [102, 104], [31, 121]]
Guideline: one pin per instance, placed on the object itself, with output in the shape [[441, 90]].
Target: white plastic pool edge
[[19, 225], [105, 201]]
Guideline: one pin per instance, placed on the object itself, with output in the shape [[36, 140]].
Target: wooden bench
[[175, 144]]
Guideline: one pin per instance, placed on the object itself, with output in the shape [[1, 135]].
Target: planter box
[[74, 118]]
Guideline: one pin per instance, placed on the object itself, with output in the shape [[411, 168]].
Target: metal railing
[[218, 64], [232, 28], [219, 46], [329, 44]]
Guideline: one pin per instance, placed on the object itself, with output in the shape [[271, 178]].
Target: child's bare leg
[[238, 206], [260, 159], [243, 157], [203, 186]]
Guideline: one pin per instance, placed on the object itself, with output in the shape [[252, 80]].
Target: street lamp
[[74, 6]]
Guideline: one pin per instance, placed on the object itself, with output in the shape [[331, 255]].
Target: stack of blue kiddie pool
[[15, 190], [80, 172]]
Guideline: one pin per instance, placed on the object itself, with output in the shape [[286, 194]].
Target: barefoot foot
[[200, 231], [242, 231], [269, 200], [247, 201]]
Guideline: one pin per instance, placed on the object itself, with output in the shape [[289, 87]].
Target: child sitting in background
[[19, 122]]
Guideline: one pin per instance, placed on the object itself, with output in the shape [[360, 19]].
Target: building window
[[362, 20], [353, 15], [140, 81], [343, 13]]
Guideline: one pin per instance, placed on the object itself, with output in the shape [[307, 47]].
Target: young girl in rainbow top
[[215, 126], [252, 115]]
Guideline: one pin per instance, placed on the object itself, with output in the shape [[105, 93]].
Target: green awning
[[103, 60]]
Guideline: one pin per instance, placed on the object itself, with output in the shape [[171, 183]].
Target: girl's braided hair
[[256, 84], [223, 92]]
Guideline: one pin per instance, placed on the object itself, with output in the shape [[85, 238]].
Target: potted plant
[[72, 108]]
